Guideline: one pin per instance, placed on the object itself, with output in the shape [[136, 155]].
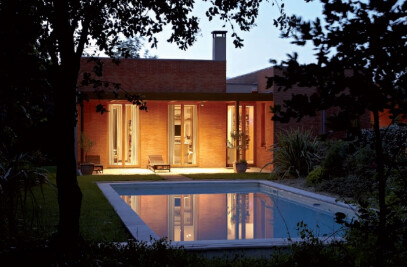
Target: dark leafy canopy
[[103, 21], [361, 60], [361, 66], [131, 48], [106, 23], [24, 93], [70, 26]]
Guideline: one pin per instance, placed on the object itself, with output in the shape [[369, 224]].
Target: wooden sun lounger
[[156, 162], [95, 160]]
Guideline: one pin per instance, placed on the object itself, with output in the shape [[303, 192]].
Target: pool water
[[193, 211]]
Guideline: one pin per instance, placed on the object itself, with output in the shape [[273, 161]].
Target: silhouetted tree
[[361, 66], [69, 26], [25, 97], [131, 48]]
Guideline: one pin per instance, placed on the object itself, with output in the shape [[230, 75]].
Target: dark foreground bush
[[132, 253], [351, 186], [312, 251], [316, 176]]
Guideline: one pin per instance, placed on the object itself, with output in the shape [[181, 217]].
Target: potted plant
[[86, 146], [240, 165]]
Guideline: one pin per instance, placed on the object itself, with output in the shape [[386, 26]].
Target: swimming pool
[[222, 213]]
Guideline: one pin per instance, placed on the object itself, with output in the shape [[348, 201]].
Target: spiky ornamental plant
[[295, 153], [17, 176]]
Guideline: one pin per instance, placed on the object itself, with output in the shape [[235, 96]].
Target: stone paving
[[176, 173], [175, 170]]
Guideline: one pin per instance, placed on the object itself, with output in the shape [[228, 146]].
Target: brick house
[[191, 116], [190, 119]]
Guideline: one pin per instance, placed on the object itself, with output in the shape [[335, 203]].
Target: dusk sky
[[261, 44]]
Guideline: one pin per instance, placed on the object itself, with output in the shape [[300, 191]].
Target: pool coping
[[140, 231]]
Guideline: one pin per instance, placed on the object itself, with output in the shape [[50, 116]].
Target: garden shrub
[[335, 158], [296, 153], [394, 139], [361, 162], [350, 186], [274, 176], [316, 175]]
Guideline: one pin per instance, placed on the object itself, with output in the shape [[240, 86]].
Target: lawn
[[98, 219]]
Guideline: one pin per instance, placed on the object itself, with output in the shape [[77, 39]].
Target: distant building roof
[[257, 78]]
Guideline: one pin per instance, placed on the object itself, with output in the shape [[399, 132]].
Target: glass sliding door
[[231, 128], [115, 134], [182, 134], [131, 135], [182, 218], [123, 135], [246, 127], [249, 131]]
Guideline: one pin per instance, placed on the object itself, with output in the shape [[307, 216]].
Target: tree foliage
[[60, 32], [361, 66], [360, 54], [25, 99]]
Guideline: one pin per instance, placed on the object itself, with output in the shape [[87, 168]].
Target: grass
[[229, 176], [98, 220]]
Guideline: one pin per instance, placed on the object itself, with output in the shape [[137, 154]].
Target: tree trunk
[[382, 239], [69, 193]]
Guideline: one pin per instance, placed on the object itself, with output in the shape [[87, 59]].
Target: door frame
[[123, 135], [242, 125], [196, 130]]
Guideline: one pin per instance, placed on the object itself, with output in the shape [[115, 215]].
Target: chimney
[[219, 45]]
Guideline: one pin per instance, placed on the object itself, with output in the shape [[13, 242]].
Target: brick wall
[[212, 134], [385, 120], [154, 132], [262, 153], [307, 123], [163, 75], [96, 128]]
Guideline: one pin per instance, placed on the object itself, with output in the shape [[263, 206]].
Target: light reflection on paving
[[176, 171]]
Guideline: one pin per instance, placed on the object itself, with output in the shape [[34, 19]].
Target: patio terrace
[[176, 171]]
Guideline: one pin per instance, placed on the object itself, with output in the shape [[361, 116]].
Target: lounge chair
[[156, 162], [95, 160]]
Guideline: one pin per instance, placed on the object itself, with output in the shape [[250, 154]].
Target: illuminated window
[[246, 127], [123, 134], [263, 125], [182, 120]]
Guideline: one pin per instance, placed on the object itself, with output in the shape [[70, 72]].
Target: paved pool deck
[[176, 174]]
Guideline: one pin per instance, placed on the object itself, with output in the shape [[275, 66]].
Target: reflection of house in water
[[207, 216]]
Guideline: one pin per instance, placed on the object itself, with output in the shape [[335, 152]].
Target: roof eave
[[187, 96]]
